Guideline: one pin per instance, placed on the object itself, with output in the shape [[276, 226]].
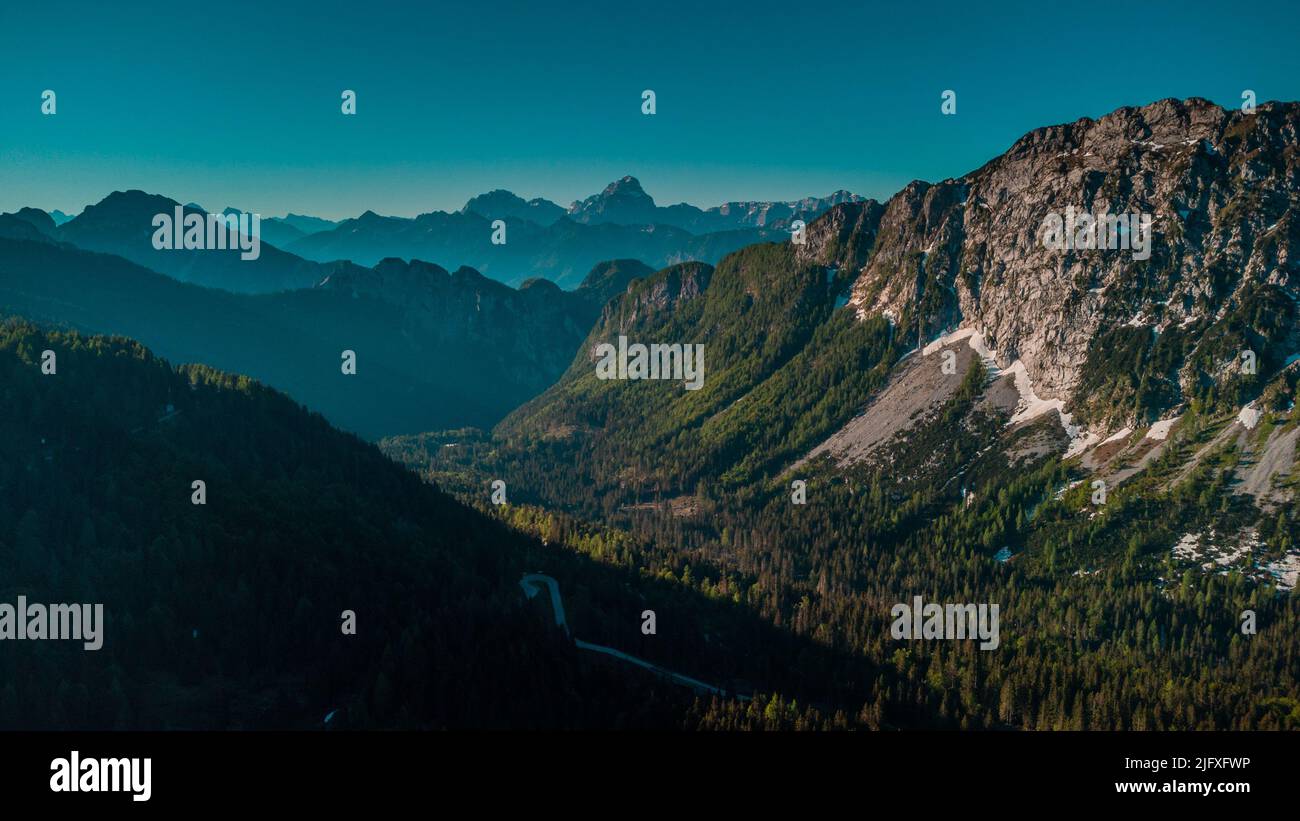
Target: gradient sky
[[237, 104]]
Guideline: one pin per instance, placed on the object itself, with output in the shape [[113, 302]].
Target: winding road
[[533, 584]]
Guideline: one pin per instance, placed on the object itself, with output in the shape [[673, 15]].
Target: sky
[[238, 104]]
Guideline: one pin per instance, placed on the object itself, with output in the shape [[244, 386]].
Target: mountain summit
[[623, 201], [502, 204]]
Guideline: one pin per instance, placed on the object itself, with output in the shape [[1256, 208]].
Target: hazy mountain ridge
[[435, 350], [563, 252], [544, 240], [541, 239], [122, 224], [625, 202], [502, 204]]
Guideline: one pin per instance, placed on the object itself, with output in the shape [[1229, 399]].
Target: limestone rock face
[[1220, 188], [656, 295]]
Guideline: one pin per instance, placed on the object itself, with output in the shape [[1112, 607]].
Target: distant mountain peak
[[623, 201], [131, 196], [502, 204], [627, 184], [37, 219], [298, 225]]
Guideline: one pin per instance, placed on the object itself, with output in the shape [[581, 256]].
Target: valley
[[1097, 446], [1053, 464]]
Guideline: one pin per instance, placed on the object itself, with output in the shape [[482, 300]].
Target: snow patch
[[1160, 430], [1078, 442], [1071, 486], [947, 339], [1249, 417], [1187, 547], [1031, 407], [1285, 571], [981, 349], [1115, 437]]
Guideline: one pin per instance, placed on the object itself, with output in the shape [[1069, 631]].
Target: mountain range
[[542, 239], [1104, 444], [1090, 343], [919, 397], [434, 349], [478, 347]]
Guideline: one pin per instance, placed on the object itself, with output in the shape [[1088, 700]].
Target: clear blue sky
[[227, 103]]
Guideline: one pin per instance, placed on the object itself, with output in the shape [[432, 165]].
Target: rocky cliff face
[[1221, 191], [654, 296]]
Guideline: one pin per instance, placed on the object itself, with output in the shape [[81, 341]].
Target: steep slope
[[780, 365], [1105, 624], [611, 278], [1221, 190], [623, 202], [228, 614]]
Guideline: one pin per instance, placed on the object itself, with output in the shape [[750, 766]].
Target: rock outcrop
[[1221, 190]]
